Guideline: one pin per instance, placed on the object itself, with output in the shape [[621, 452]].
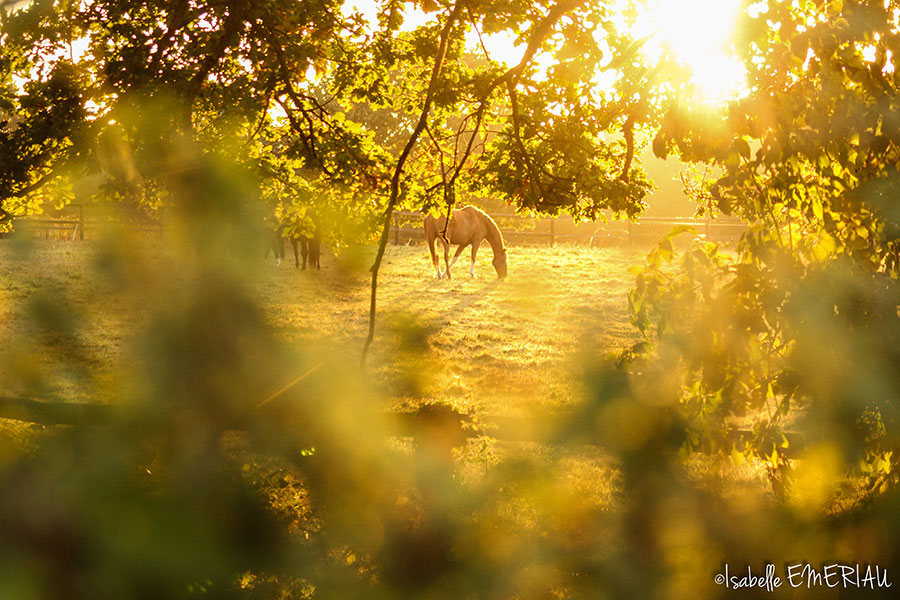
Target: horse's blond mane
[[492, 226]]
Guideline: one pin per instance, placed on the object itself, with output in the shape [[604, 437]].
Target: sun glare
[[697, 33]]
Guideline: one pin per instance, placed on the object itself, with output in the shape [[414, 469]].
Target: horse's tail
[[426, 225], [430, 234]]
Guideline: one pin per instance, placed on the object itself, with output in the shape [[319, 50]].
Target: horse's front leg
[[472, 266], [459, 250], [447, 263]]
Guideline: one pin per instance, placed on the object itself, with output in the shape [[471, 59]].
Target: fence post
[[81, 222], [396, 230], [552, 233]]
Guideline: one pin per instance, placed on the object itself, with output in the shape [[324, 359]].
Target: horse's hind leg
[[429, 238], [294, 246], [304, 250]]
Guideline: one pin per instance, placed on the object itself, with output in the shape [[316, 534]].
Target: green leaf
[[741, 146], [818, 211], [659, 146]]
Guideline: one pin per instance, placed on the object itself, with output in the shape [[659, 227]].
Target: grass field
[[492, 346], [485, 346]]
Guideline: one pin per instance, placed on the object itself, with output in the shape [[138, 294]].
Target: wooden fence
[[407, 227], [70, 223], [72, 220], [519, 229]]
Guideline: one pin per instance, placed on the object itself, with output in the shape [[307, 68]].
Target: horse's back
[[466, 225], [472, 221]]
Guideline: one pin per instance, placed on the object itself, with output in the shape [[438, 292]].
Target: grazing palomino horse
[[468, 227]]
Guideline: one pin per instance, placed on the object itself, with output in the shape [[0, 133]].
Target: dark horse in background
[[468, 227], [310, 247]]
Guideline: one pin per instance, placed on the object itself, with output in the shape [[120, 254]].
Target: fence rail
[[407, 226], [72, 219], [76, 223], [75, 226]]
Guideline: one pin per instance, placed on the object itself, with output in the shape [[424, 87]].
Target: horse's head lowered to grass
[[499, 263]]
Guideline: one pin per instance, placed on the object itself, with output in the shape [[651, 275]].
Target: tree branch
[[628, 131], [535, 182], [511, 79], [401, 162], [39, 182], [230, 30]]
